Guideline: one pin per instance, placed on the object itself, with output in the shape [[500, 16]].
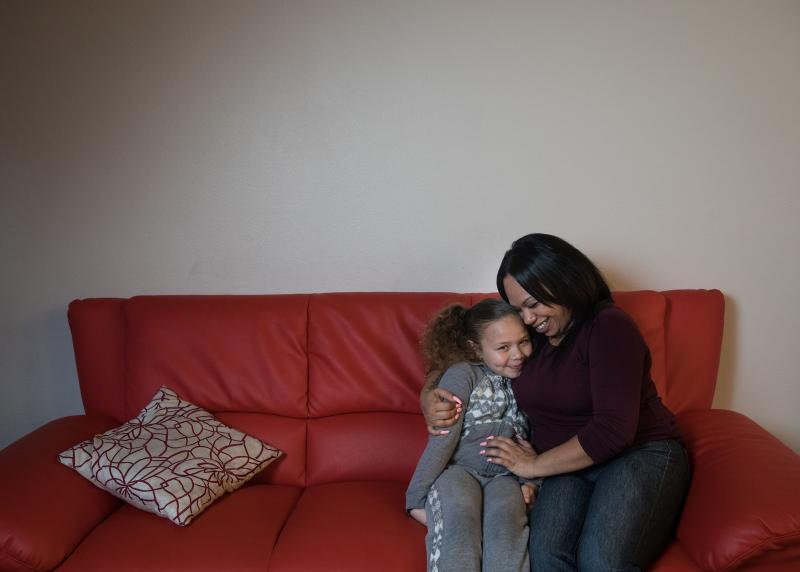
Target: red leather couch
[[333, 380]]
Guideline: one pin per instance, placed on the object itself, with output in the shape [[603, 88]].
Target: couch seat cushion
[[45, 508], [351, 526], [674, 559], [238, 532]]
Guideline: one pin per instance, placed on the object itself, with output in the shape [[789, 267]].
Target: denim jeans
[[617, 515]]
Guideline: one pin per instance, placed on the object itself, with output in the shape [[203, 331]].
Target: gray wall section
[[267, 147]]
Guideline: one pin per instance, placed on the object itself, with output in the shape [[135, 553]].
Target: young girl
[[474, 509]]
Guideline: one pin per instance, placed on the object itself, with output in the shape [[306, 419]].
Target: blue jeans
[[617, 515]]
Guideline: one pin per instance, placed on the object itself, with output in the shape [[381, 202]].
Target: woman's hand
[[516, 455], [440, 408]]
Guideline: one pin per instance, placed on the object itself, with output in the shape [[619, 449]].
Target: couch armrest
[[47, 508], [743, 506]]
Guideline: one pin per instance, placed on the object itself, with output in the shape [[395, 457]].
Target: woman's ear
[[475, 348]]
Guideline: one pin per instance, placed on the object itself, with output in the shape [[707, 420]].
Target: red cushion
[[364, 350], [744, 499], [222, 353], [236, 533], [47, 508], [364, 446], [356, 526], [98, 337], [694, 339], [285, 433], [674, 559], [648, 309]]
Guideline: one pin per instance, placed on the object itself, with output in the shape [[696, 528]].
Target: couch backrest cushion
[[693, 333], [376, 446], [363, 350], [222, 353], [648, 310], [98, 338], [312, 373]]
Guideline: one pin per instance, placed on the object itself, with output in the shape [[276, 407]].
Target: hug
[[612, 469]]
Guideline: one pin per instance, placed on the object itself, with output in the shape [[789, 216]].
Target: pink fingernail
[[490, 437], [482, 444], [457, 400], [483, 451], [444, 432]]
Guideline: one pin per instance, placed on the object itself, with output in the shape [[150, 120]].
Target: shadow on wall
[[723, 398], [616, 280], [61, 376], [42, 365]]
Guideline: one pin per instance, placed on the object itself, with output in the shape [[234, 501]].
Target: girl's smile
[[504, 346]]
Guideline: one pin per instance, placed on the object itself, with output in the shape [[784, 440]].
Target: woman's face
[[551, 321]]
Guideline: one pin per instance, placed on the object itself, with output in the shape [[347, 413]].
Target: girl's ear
[[475, 348]]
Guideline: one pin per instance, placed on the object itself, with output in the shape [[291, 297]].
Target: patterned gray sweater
[[489, 409]]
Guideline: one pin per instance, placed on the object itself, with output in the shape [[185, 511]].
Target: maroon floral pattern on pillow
[[173, 459]]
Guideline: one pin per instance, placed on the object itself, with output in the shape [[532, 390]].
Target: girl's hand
[[419, 515], [440, 408], [528, 494], [516, 455]]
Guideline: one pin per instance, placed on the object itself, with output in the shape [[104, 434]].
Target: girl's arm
[[459, 379]]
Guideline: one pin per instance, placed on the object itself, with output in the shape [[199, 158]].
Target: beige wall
[[237, 146]]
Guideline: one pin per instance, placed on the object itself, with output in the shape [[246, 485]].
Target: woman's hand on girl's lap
[[516, 455], [441, 409]]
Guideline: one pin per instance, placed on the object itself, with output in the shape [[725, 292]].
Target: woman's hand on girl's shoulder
[[441, 409]]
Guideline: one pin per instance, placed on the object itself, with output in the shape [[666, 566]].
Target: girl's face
[[552, 321], [504, 346]]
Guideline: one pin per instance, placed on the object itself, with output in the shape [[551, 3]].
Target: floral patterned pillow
[[173, 459]]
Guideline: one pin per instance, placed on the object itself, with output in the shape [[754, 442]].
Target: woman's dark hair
[[447, 336], [555, 273]]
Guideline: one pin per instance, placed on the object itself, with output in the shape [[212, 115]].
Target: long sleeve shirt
[[598, 388]]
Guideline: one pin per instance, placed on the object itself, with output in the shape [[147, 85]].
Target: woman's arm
[[440, 407]]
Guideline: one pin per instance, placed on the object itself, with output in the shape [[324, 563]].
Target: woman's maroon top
[[598, 387]]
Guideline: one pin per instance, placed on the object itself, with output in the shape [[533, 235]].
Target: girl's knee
[[461, 508]]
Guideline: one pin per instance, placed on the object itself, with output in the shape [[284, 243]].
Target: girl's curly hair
[[447, 336]]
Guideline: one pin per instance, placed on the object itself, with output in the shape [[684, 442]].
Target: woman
[[616, 471]]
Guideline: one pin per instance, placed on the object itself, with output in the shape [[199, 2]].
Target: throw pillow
[[173, 459]]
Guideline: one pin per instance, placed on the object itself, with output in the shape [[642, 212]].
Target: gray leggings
[[476, 523]]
